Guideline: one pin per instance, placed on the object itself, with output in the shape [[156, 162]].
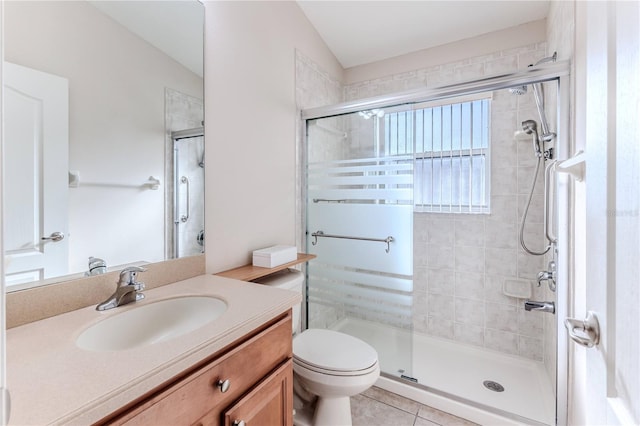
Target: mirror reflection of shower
[[188, 192], [543, 151]]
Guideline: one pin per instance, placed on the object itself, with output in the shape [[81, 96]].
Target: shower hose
[[526, 211]]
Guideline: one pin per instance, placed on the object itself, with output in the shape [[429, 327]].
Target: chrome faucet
[[549, 276], [532, 305], [128, 289]]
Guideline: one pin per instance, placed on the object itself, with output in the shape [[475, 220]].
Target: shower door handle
[[584, 332], [185, 217]]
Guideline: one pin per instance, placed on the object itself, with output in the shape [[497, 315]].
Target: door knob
[[585, 332], [239, 423], [55, 236]]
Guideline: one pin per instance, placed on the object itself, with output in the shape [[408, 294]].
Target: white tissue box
[[271, 257]]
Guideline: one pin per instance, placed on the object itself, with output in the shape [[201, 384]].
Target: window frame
[[418, 157]]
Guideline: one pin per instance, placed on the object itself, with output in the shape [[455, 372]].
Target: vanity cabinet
[[250, 381]]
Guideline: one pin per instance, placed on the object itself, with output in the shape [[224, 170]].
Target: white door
[[607, 376], [35, 167]]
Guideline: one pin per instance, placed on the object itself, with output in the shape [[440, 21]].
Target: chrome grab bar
[[317, 234], [185, 217], [547, 222]]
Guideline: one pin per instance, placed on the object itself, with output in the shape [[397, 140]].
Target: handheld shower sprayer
[[531, 128]]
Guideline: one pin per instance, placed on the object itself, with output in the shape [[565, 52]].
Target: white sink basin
[[152, 323]]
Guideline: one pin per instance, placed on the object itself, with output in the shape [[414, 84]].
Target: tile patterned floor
[[377, 407]]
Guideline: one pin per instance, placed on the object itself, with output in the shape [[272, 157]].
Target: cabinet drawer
[[269, 403], [197, 394]]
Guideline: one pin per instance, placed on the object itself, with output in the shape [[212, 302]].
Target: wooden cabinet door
[[268, 403]]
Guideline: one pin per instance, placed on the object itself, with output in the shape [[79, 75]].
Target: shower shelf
[[250, 272]]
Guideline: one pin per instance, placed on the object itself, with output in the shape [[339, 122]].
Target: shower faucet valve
[[549, 276]]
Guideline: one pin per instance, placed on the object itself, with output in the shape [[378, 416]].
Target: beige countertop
[[52, 381]]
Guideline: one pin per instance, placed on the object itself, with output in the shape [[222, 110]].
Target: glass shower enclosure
[[412, 204]]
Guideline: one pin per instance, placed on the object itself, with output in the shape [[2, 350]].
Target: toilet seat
[[333, 353], [297, 363]]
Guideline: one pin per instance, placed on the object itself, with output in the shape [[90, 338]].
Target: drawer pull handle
[[223, 385], [239, 423]]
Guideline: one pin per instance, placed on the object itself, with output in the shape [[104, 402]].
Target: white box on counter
[[271, 257]]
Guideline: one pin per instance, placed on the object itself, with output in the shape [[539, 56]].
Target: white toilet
[[328, 366]]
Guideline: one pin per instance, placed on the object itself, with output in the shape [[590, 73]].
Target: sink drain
[[493, 386]]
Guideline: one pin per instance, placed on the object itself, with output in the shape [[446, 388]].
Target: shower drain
[[494, 386]]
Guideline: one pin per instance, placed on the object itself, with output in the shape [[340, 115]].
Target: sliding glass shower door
[[359, 224]]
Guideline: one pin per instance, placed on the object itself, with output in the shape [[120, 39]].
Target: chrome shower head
[[518, 90], [531, 128]]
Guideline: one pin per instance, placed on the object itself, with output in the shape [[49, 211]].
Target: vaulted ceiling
[[360, 32]]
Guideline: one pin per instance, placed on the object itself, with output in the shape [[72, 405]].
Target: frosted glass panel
[[377, 221], [360, 227]]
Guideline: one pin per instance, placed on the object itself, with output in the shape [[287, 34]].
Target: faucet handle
[[128, 275], [542, 276]]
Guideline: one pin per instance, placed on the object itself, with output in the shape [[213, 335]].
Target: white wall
[[116, 92], [250, 116], [510, 38]]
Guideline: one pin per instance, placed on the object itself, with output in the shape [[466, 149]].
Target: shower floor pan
[[460, 371]]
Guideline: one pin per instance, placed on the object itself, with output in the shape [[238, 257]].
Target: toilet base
[[322, 412], [332, 412], [303, 417]]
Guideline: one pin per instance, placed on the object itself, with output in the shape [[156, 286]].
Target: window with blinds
[[450, 147]]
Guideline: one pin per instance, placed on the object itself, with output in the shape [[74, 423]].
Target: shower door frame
[[556, 71]]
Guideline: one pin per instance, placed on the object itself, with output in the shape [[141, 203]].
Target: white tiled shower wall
[[461, 261]]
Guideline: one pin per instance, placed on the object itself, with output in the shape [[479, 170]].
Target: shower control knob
[[223, 385]]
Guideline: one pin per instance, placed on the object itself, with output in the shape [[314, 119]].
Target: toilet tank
[[288, 279]]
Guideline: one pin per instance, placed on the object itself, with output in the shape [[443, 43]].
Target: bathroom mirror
[[103, 136]]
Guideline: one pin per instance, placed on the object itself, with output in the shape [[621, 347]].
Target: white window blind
[[450, 147]]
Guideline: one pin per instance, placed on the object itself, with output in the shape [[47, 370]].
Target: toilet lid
[[333, 351]]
